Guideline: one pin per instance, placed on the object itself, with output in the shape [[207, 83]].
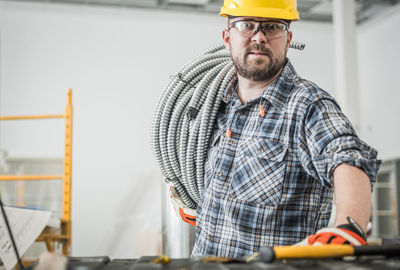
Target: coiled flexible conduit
[[184, 118]]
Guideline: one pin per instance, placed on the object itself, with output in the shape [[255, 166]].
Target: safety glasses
[[248, 28]]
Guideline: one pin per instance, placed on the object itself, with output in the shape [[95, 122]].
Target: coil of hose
[[184, 118]]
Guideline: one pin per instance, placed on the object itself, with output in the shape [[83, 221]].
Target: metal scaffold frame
[[63, 236]]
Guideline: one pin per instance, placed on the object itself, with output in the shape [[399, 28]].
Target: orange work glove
[[350, 234], [187, 214]]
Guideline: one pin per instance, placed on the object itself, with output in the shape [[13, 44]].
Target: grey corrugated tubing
[[184, 118]]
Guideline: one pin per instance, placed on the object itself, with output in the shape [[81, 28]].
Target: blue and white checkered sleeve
[[327, 139]]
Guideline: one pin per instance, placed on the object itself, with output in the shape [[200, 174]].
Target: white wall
[[379, 58], [117, 62], [316, 61]]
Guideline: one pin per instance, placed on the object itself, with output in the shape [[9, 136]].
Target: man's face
[[259, 56]]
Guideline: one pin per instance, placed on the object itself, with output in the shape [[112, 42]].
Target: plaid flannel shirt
[[270, 183]]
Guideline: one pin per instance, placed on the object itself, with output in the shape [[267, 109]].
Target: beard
[[258, 69]]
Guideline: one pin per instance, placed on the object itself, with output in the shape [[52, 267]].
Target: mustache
[[257, 47]]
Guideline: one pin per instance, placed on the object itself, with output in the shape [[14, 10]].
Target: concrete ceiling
[[311, 10]]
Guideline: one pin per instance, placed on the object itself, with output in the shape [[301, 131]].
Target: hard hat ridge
[[279, 9]]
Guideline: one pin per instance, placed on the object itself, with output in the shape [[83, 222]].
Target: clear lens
[[244, 26], [273, 29]]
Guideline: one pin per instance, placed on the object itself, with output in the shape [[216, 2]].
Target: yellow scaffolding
[[51, 236]]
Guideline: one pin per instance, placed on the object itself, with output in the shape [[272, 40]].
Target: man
[[281, 146]]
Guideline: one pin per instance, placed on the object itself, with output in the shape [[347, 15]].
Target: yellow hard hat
[[280, 9]]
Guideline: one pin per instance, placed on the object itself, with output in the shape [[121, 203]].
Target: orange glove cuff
[[187, 218], [336, 236]]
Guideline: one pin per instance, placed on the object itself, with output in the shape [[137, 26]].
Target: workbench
[[145, 263]]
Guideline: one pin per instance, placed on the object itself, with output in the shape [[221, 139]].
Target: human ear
[[290, 36], [225, 38]]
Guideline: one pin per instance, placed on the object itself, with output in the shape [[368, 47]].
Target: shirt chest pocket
[[259, 172]]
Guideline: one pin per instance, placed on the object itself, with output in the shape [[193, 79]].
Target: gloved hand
[[350, 234], [181, 210]]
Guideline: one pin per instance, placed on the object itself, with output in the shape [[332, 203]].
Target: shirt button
[[230, 142], [219, 174], [260, 150], [214, 205]]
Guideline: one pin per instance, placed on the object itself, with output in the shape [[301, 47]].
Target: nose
[[259, 35], [259, 28]]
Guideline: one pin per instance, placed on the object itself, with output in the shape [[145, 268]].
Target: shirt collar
[[276, 93], [228, 92]]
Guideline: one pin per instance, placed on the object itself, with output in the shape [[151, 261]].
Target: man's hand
[[346, 234], [181, 210]]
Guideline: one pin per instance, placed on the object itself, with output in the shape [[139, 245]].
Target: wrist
[[354, 227]]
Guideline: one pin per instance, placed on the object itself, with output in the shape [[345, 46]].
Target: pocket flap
[[263, 148]]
